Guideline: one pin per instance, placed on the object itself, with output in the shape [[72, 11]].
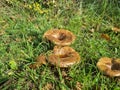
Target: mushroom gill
[[109, 66], [59, 36], [115, 64]]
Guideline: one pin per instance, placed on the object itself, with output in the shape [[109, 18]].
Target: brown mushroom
[[62, 51], [59, 37], [109, 66], [64, 56], [41, 59]]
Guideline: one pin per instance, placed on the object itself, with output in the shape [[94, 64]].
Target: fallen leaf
[[115, 29], [105, 36], [48, 86]]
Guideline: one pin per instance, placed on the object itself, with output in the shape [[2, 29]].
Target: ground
[[21, 32]]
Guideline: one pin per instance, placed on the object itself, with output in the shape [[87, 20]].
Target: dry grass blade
[[115, 29], [78, 86], [2, 32]]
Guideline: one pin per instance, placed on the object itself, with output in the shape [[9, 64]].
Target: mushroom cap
[[109, 66], [62, 51], [41, 59], [63, 58], [59, 36]]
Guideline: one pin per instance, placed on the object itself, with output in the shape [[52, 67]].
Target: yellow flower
[[30, 6]]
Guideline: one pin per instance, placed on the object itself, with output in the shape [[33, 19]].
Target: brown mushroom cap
[[109, 66], [41, 59], [60, 36], [63, 58], [63, 51]]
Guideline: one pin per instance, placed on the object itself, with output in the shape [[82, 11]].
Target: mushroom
[[41, 59], [109, 66], [59, 37], [63, 56], [62, 51]]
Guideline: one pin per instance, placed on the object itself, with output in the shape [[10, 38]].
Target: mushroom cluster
[[63, 55]]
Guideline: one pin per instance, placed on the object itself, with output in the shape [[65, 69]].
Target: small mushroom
[[64, 56], [109, 66], [59, 37], [41, 59]]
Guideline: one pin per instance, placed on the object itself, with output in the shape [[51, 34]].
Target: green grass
[[21, 41]]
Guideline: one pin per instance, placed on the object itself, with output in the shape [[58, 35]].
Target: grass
[[21, 42]]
